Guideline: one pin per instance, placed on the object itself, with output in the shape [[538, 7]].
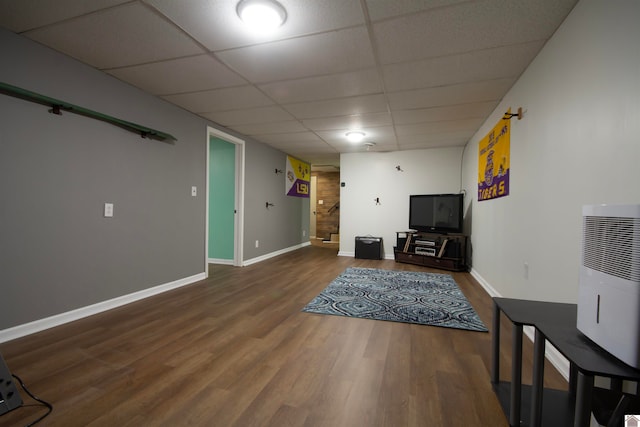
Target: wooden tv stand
[[445, 251]]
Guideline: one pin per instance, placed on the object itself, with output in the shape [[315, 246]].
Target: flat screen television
[[436, 213]]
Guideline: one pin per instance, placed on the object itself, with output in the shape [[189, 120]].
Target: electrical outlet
[[526, 270], [194, 191], [304, 233], [257, 243]]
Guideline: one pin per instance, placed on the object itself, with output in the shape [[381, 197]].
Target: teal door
[[222, 172]]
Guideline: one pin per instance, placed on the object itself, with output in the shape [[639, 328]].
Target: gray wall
[[280, 226], [578, 143], [57, 252]]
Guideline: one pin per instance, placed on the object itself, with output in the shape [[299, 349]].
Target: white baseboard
[[552, 355], [346, 253], [70, 316], [274, 254]]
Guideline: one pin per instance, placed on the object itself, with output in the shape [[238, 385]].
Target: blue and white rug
[[398, 296]]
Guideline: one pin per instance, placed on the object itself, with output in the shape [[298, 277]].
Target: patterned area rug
[[398, 296]]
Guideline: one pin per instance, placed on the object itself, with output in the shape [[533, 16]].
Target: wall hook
[[377, 200], [269, 205], [508, 116], [399, 169], [278, 171]]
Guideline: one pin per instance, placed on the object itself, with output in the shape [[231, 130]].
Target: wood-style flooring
[[236, 350]]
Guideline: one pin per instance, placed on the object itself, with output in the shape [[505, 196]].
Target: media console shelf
[[445, 251]]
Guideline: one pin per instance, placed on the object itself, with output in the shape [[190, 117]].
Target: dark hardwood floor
[[236, 350]]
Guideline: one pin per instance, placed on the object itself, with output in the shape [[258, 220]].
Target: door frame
[[238, 231]]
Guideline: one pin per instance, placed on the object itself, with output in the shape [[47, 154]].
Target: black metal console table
[[555, 322]]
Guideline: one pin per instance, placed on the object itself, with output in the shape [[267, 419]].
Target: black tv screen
[[436, 213]]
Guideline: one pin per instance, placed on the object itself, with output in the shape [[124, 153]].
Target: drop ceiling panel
[[339, 107], [267, 128], [349, 122], [384, 9], [413, 140], [426, 115], [26, 15], [360, 82], [439, 67], [190, 74], [216, 25], [491, 90], [432, 142], [311, 148], [467, 27], [117, 37], [232, 98], [325, 53], [250, 116], [290, 138], [508, 61], [439, 127]]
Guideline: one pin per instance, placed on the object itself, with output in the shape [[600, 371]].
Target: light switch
[[108, 210], [194, 191], [321, 202]]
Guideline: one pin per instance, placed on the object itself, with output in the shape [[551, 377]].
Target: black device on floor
[[9, 397]]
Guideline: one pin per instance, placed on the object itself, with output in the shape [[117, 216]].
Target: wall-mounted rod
[[268, 205], [58, 106]]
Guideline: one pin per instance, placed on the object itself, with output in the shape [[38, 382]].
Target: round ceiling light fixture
[[355, 136], [261, 15]]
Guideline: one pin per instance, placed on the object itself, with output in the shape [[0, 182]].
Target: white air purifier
[[609, 289]]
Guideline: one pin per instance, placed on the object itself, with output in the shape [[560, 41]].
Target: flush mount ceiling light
[[261, 15], [355, 136]]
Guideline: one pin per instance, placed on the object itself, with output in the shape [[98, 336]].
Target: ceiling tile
[[216, 25], [190, 74], [450, 95], [316, 147], [463, 111], [385, 9], [325, 53], [250, 116], [466, 27], [457, 137], [26, 15], [272, 127], [349, 122], [210, 101], [439, 127], [435, 142], [360, 82], [508, 61], [289, 138], [338, 107], [117, 37]]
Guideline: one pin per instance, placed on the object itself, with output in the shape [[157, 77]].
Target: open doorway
[[225, 199], [325, 206]]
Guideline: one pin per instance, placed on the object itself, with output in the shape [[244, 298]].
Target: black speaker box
[[368, 247]]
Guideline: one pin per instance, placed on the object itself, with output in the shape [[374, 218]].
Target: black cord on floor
[[42, 402]]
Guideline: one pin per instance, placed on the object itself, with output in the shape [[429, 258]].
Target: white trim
[[70, 316], [346, 253], [238, 249], [553, 355], [276, 253], [220, 261]]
